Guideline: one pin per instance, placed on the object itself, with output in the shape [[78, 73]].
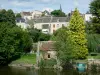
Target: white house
[[88, 17], [36, 14], [31, 15], [26, 15], [50, 24], [22, 23]]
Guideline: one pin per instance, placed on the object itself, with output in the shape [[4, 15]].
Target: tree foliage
[[93, 42], [78, 35], [58, 13], [95, 8], [63, 45], [13, 42], [37, 35], [18, 15], [7, 16], [93, 28]]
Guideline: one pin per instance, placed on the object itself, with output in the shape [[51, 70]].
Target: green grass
[[94, 57], [89, 57], [26, 59]]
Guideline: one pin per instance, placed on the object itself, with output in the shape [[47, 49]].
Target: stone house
[[47, 50]]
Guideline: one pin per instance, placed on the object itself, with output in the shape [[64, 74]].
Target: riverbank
[[27, 60]]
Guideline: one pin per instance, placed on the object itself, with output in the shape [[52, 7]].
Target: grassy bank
[[94, 57], [26, 59]]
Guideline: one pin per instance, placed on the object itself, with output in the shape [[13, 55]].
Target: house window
[[53, 31], [48, 55], [57, 25], [54, 26], [45, 26]]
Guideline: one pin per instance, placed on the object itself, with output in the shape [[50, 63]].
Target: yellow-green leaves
[[78, 35]]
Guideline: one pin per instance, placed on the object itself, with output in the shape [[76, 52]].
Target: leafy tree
[[13, 42], [44, 37], [93, 28], [3, 16], [89, 28], [63, 46], [93, 42], [58, 13], [7, 16], [18, 15], [78, 35], [34, 33], [11, 17], [37, 35], [95, 8]]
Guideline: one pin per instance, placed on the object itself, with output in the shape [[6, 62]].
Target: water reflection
[[22, 71]]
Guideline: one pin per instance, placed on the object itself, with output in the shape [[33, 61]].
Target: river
[[20, 71]]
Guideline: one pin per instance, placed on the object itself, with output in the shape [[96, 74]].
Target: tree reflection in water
[[23, 71]]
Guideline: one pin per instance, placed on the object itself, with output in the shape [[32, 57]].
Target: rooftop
[[20, 20], [26, 13], [51, 19], [47, 45]]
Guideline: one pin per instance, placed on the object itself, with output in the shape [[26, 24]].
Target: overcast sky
[[30, 5]]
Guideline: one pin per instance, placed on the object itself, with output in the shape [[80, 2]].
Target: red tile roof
[[47, 46]]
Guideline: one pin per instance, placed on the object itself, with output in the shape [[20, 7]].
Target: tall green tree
[[93, 28], [78, 35], [95, 10], [3, 16], [11, 17], [7, 16], [58, 13], [13, 42], [63, 46]]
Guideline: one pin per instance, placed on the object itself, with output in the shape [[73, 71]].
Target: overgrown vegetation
[[63, 45], [93, 27], [47, 63]]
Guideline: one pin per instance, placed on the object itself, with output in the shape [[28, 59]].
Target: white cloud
[[47, 1], [22, 3]]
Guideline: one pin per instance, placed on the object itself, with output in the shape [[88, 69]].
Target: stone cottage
[[47, 50]]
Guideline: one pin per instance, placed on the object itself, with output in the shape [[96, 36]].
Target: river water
[[21, 71]]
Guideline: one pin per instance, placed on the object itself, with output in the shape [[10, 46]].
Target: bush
[[93, 54], [94, 68], [47, 63], [42, 64]]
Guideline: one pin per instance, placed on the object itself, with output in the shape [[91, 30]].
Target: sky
[[30, 5]]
